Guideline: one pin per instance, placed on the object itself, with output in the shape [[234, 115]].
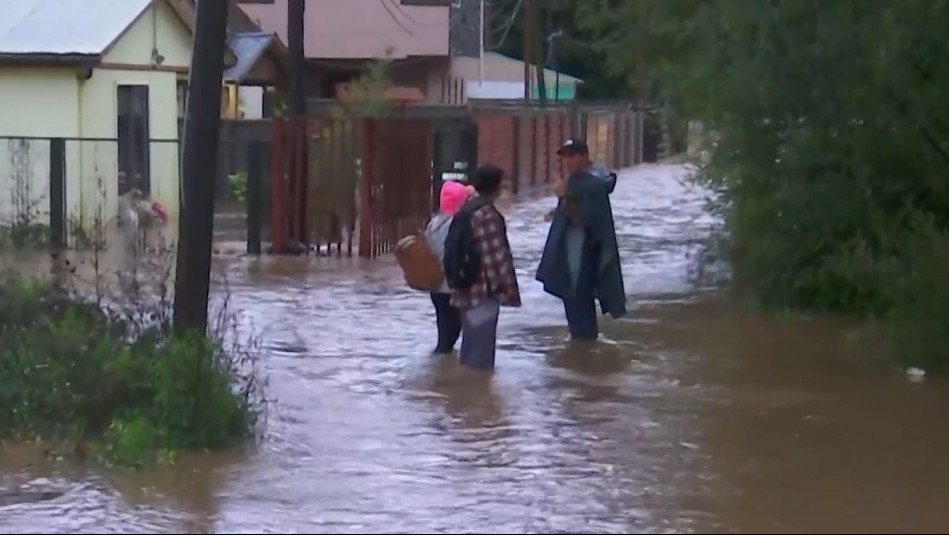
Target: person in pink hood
[[447, 318]]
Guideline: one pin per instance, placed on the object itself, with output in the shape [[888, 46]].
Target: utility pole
[[297, 132], [199, 167], [481, 46], [528, 20], [540, 62], [554, 60], [297, 60]]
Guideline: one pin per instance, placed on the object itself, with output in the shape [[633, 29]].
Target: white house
[[104, 75], [499, 77]]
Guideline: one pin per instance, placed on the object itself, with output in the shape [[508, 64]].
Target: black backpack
[[462, 261]]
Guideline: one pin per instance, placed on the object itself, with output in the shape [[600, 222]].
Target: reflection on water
[[690, 415]]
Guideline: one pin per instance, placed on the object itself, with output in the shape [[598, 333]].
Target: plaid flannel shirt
[[496, 278]]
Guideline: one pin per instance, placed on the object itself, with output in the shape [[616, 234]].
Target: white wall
[[99, 159], [47, 102], [252, 102], [40, 103]]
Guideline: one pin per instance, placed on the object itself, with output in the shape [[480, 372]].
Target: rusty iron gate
[[368, 184], [396, 186], [335, 151]]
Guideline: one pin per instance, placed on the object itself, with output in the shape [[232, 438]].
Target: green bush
[[918, 319], [833, 144], [23, 236], [239, 185], [76, 374]]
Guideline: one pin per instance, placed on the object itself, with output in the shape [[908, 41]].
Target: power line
[[393, 16], [452, 18], [509, 24], [398, 6]]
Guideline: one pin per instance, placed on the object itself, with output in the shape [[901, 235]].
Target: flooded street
[[692, 415]]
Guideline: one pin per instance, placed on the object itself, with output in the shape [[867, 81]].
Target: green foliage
[[580, 48], [74, 373], [832, 144], [239, 185], [368, 90], [23, 236], [917, 321]]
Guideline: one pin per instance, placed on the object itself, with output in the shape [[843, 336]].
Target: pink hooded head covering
[[452, 197]]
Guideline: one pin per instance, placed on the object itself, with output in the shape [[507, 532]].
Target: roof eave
[[48, 59]]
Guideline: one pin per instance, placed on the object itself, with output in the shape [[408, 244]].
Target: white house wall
[[38, 103], [35, 104], [159, 29], [99, 159], [252, 101], [498, 68]]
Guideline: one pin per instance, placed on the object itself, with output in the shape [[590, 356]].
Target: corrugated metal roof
[[64, 27], [248, 48]]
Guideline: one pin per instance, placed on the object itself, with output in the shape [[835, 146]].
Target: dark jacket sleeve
[[590, 200]]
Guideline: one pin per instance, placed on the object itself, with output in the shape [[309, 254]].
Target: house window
[[133, 139]]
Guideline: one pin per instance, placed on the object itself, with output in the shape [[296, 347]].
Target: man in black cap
[[578, 147], [581, 260]]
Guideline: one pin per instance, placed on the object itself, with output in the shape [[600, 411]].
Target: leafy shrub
[[75, 372], [832, 146], [918, 320]]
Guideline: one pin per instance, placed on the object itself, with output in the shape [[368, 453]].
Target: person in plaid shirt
[[496, 282]]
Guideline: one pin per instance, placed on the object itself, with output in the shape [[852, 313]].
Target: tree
[[578, 53], [833, 139]]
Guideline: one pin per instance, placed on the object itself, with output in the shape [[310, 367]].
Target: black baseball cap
[[573, 147]]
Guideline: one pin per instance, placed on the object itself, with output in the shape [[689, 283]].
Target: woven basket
[[422, 270]]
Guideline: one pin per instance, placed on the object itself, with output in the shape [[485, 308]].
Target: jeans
[[480, 325], [448, 320], [581, 308]]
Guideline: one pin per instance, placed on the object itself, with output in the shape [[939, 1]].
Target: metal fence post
[[57, 192], [257, 170], [366, 220]]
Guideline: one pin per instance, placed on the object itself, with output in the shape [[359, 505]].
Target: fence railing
[[57, 190]]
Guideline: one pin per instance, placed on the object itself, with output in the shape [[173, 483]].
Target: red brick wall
[[552, 130], [524, 147], [527, 154], [496, 141]]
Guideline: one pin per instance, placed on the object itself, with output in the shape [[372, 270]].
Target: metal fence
[[62, 187], [334, 183]]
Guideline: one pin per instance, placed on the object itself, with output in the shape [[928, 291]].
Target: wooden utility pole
[[297, 138], [540, 58], [527, 18], [297, 61], [199, 167]]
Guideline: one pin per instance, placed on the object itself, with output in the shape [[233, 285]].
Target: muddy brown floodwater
[[691, 416]]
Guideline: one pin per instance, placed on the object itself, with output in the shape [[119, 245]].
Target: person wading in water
[[452, 197], [581, 263], [479, 268]]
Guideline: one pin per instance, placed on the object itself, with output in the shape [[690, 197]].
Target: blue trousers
[[480, 335], [581, 308]]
